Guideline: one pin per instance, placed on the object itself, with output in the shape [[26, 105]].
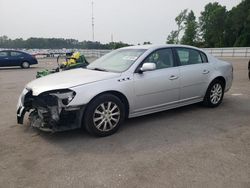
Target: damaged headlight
[[66, 95]]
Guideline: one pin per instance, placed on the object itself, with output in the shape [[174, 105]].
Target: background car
[[10, 58], [127, 82]]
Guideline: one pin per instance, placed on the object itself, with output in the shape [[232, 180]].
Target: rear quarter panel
[[222, 68]]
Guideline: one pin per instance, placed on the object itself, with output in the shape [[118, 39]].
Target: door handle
[[173, 77], [205, 71], [6, 58]]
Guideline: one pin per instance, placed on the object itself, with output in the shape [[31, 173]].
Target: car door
[[194, 73], [4, 58], [15, 58], [160, 87]]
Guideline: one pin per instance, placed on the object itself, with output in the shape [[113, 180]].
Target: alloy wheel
[[216, 93], [106, 116]]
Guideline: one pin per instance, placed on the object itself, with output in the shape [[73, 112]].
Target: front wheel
[[214, 94], [104, 115]]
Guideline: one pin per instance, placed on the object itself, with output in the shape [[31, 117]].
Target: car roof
[[154, 47], [11, 51]]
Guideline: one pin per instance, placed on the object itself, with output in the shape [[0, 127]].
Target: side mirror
[[147, 67]]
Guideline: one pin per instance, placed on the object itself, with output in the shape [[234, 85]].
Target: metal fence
[[94, 53], [229, 52], [243, 52], [217, 52]]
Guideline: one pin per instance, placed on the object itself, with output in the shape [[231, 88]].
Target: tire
[[25, 65], [104, 115], [214, 94]]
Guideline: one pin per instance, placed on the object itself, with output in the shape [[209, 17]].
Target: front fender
[[85, 93]]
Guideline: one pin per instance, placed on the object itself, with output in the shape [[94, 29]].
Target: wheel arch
[[118, 94], [220, 78]]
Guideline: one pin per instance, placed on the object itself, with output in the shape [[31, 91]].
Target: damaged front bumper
[[50, 111]]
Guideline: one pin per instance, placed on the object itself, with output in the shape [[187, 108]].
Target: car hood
[[68, 79]]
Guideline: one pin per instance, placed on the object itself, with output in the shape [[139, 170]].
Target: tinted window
[[3, 54], [15, 53], [163, 58], [204, 58], [188, 56]]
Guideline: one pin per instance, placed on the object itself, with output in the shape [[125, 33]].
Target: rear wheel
[[104, 115], [25, 65], [214, 94]]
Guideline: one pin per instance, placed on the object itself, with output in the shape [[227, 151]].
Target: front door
[[4, 58], [160, 87]]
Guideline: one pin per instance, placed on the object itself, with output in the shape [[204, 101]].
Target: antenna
[[93, 24]]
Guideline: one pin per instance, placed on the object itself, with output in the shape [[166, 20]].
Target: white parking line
[[237, 94]]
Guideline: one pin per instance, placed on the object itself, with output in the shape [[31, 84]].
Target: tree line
[[216, 27], [56, 43]]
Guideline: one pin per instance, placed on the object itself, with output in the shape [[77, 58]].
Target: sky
[[130, 21]]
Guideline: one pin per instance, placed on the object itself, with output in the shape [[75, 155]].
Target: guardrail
[[229, 52], [242, 52], [217, 52]]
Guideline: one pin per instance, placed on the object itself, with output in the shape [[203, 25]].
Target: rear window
[[188, 56]]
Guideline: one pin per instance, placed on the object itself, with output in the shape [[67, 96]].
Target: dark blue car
[[16, 58]]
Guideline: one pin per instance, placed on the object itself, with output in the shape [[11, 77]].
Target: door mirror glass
[[148, 67]]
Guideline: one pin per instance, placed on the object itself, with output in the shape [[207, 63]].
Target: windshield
[[117, 61]]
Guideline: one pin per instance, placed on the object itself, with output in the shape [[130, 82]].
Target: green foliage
[[237, 32], [173, 37], [212, 24], [190, 33], [115, 45], [56, 43], [145, 43], [217, 27]]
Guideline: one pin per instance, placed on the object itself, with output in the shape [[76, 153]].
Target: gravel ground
[[191, 146]]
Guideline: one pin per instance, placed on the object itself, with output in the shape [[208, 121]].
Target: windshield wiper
[[99, 69]]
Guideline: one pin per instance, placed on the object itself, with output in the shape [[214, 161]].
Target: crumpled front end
[[50, 111]]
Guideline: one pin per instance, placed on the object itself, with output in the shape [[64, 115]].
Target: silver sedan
[[125, 83]]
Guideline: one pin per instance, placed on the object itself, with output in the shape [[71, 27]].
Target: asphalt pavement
[[192, 146]]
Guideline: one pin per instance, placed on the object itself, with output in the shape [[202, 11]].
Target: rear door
[[194, 73], [16, 58], [4, 58]]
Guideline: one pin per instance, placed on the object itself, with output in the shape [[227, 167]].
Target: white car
[[125, 83]]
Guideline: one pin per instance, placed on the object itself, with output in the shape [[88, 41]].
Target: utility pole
[[112, 38], [93, 24]]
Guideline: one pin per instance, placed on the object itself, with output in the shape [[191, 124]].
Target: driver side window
[[3, 54], [162, 58]]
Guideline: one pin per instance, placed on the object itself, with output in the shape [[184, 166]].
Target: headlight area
[[50, 111]]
